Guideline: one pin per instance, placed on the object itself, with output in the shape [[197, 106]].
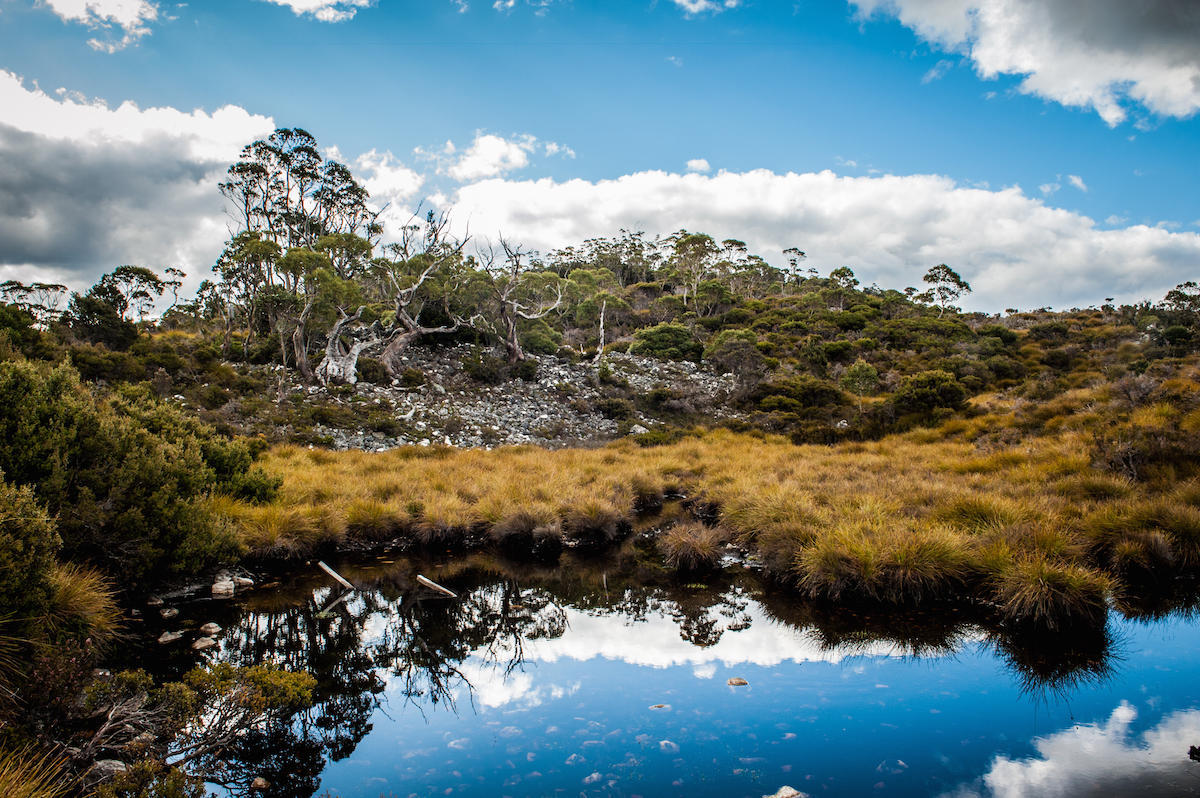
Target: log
[[334, 574], [432, 585]]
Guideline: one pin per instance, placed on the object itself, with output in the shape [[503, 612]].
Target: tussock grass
[[24, 773], [692, 547], [83, 601], [1024, 524]]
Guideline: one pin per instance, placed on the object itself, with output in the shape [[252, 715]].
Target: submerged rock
[[169, 637], [168, 612], [786, 792], [243, 582], [223, 589], [203, 643], [737, 681]]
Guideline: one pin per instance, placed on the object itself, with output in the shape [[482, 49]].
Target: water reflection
[[389, 648]]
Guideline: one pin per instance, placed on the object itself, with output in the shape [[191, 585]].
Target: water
[[611, 679]]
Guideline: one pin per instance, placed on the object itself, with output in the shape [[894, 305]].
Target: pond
[[602, 678]]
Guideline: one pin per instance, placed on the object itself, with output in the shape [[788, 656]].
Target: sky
[[1045, 149]]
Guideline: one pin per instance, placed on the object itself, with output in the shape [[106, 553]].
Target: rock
[[786, 792], [223, 589], [210, 629], [737, 681], [638, 429], [168, 613], [105, 769], [154, 601], [203, 643], [660, 706], [259, 784], [243, 582], [169, 637]]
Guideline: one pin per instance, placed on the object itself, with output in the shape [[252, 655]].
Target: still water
[[610, 679]]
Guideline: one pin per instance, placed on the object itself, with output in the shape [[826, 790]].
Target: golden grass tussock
[[25, 773], [904, 519], [1052, 594], [692, 547], [84, 601]]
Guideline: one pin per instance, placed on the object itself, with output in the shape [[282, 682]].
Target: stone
[[638, 429], [169, 637], [737, 681], [223, 589], [786, 792], [259, 784], [105, 769], [168, 613], [154, 601], [210, 629], [243, 582], [203, 643]]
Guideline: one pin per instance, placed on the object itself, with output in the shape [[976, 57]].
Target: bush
[[371, 370], [28, 543], [666, 341], [929, 391], [124, 475]]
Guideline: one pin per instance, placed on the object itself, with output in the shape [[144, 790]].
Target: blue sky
[[985, 133]]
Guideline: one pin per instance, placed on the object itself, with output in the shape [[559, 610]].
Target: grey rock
[[169, 637], [223, 589], [203, 643], [210, 629], [104, 770], [243, 582]]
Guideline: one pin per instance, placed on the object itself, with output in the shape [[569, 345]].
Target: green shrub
[[371, 370], [929, 391], [667, 341], [28, 543], [124, 475]]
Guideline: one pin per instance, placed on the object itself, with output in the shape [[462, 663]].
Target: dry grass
[[692, 547], [1029, 526], [27, 774], [84, 601]]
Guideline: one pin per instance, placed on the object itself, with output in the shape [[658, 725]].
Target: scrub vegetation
[[881, 447]]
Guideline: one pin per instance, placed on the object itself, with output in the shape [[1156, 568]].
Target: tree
[[946, 285], [519, 291], [861, 379]]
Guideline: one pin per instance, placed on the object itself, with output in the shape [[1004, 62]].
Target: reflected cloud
[[1102, 759]]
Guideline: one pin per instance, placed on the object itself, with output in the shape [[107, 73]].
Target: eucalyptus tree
[[520, 289], [946, 286]]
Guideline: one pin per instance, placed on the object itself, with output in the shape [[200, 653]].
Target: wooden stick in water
[[429, 583], [334, 574]]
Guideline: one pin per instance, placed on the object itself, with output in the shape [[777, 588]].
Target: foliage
[[28, 544], [667, 341], [929, 391]]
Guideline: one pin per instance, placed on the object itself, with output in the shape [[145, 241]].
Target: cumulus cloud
[[490, 155], [1014, 249], [1101, 54], [325, 10], [85, 187], [698, 165], [127, 20], [1099, 760], [706, 6], [1077, 181]]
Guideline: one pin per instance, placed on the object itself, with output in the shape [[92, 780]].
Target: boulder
[[202, 643], [786, 792], [243, 582], [259, 784], [169, 637], [638, 429], [210, 629], [223, 589], [104, 770]]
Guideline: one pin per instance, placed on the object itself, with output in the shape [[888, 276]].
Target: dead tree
[[517, 294], [340, 363]]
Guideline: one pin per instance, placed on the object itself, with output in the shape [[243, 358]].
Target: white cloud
[[1015, 250], [706, 6], [1099, 54], [1049, 188], [698, 165], [85, 187], [490, 155], [325, 10], [937, 71], [130, 17], [1077, 181], [1099, 760]]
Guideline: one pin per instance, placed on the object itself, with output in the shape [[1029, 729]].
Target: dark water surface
[[602, 679]]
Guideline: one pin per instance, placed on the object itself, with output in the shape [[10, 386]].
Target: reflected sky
[[533, 687]]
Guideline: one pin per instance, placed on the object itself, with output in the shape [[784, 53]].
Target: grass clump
[[83, 601], [528, 535], [1052, 594], [25, 773], [692, 547]]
